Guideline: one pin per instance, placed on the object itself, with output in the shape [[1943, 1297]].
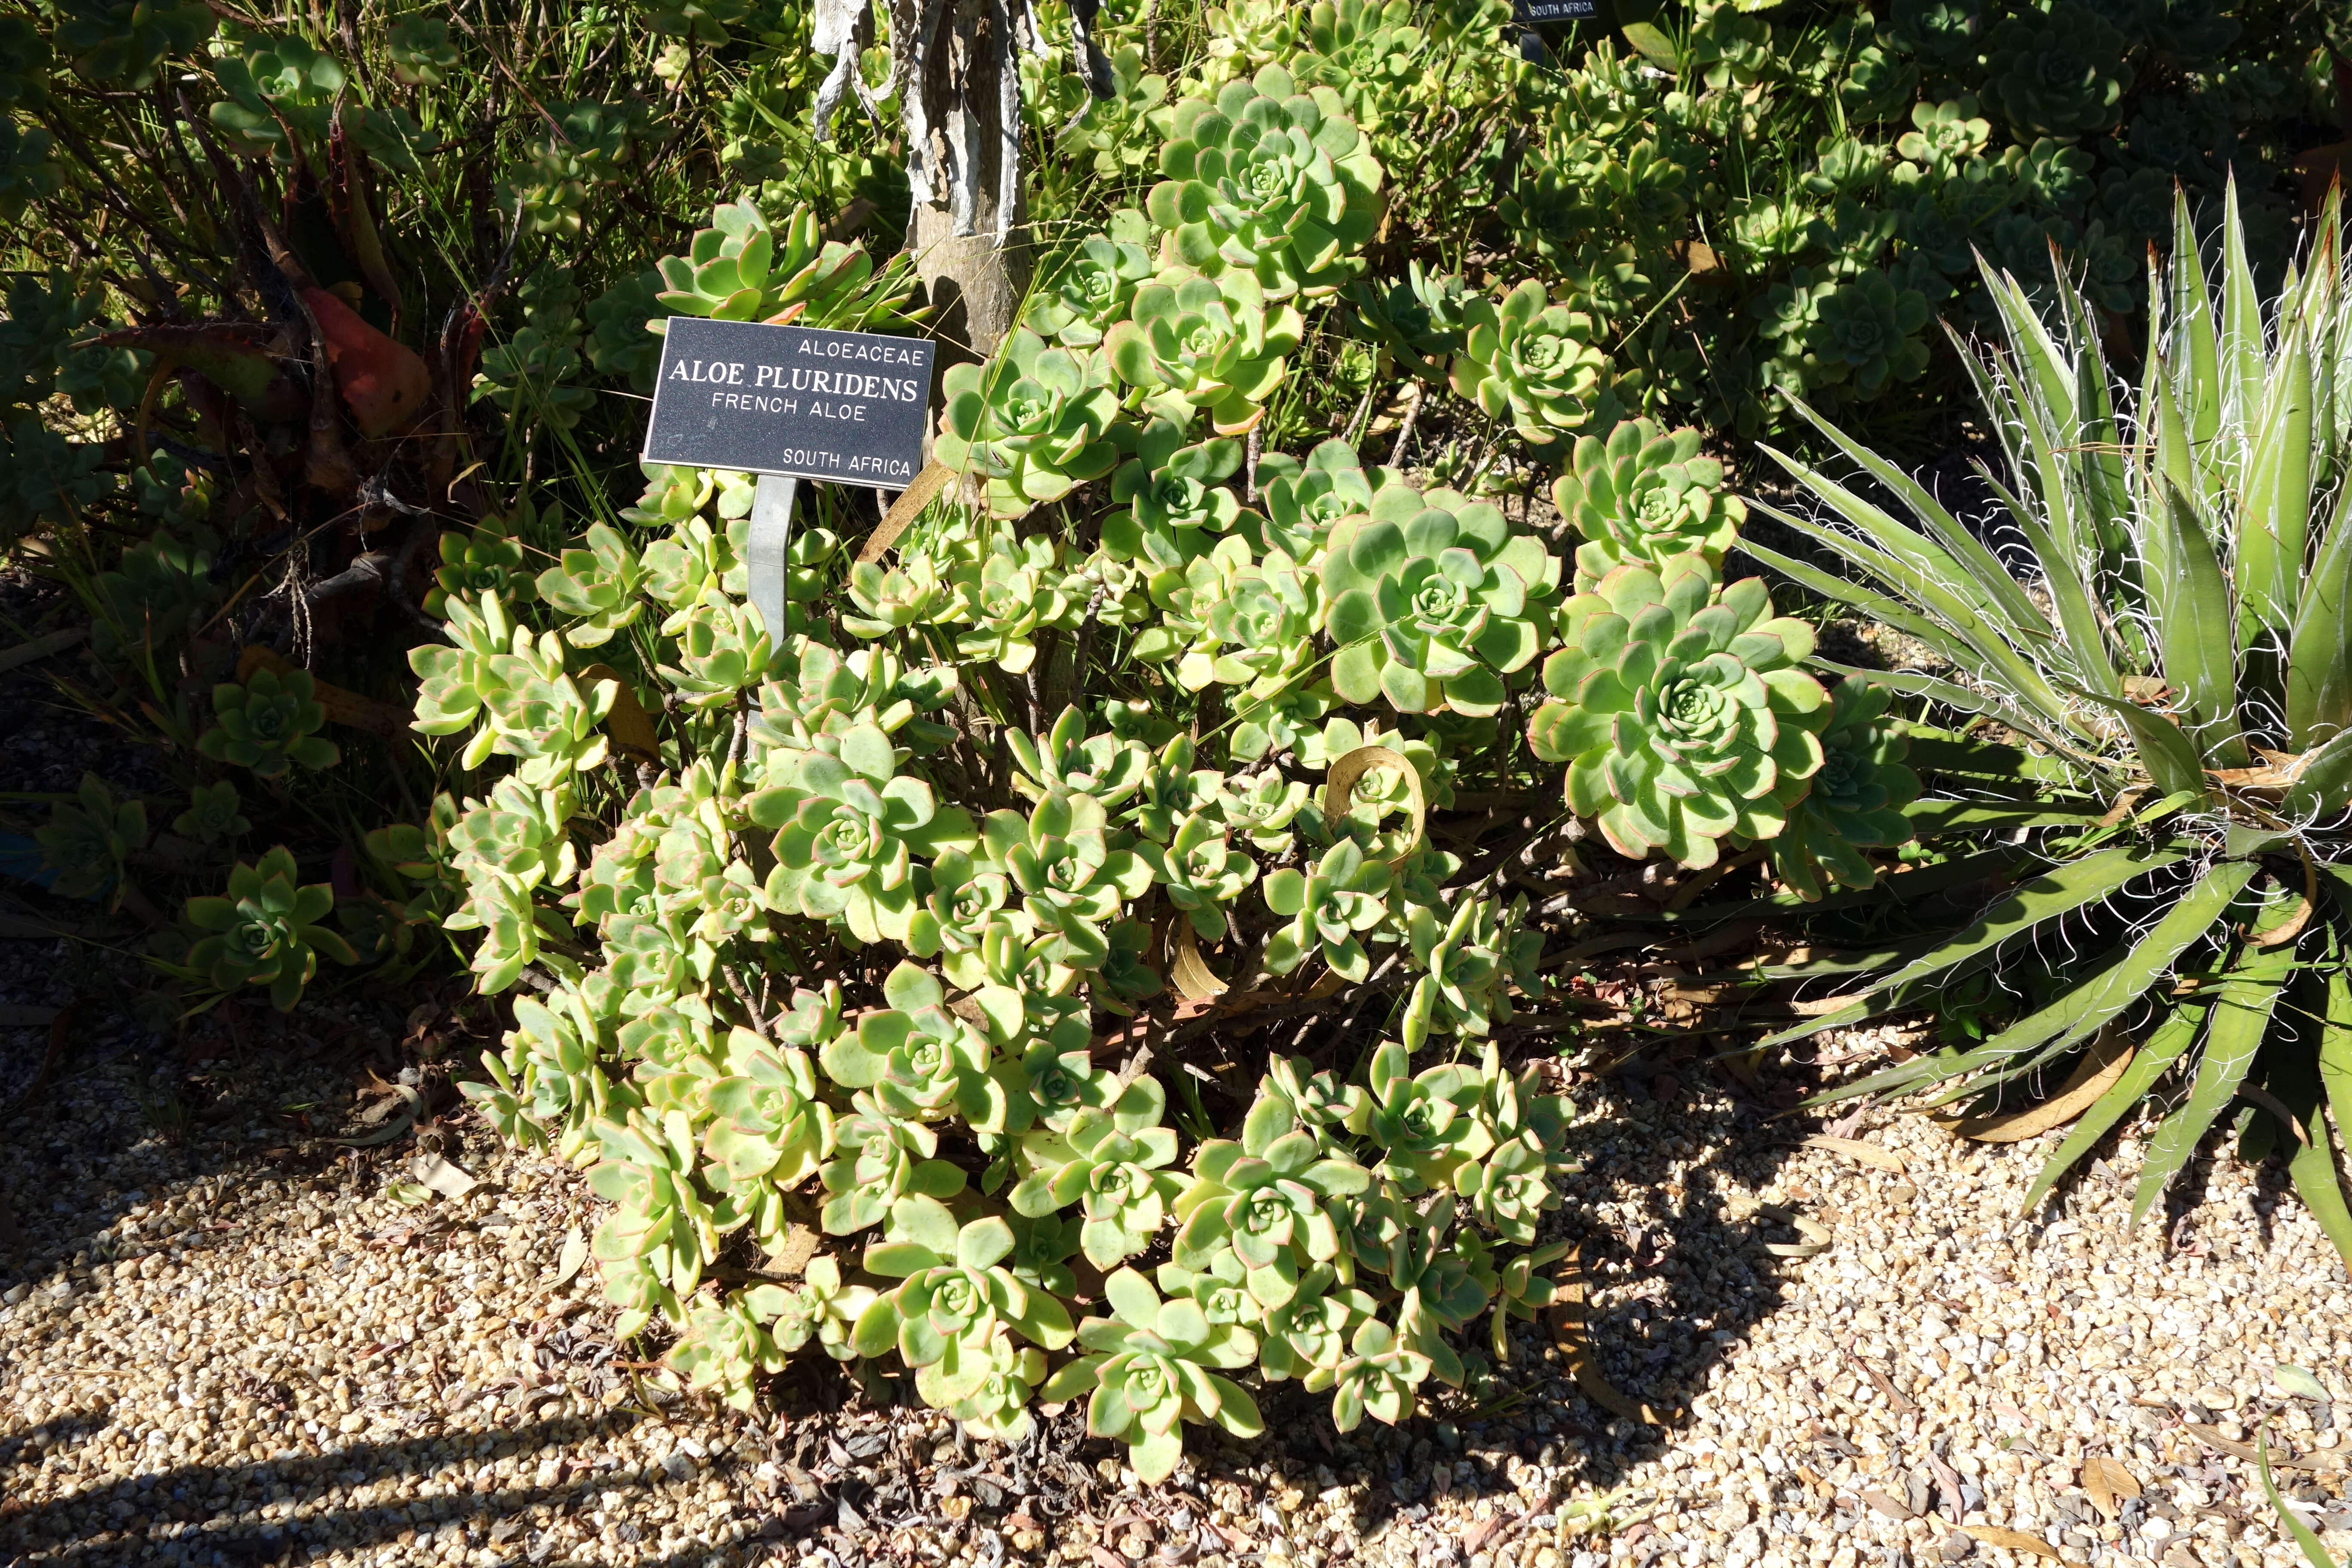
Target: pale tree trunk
[[957, 66], [960, 92]]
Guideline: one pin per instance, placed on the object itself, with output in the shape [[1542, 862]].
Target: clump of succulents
[[1682, 710], [1645, 495]]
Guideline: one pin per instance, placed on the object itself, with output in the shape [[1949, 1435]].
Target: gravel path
[[225, 1340]]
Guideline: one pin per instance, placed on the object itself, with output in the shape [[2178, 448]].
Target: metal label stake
[[768, 558]]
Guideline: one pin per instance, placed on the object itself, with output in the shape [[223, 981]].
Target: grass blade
[[2240, 1017], [2314, 1550]]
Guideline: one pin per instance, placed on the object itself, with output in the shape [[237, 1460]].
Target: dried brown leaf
[[2015, 1540], [1859, 1150], [2109, 1055], [2109, 1484]]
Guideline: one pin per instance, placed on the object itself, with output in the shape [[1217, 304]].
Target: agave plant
[[2190, 670]]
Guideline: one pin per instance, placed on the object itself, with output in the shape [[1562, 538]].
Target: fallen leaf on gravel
[[1892, 1508], [1479, 1532], [408, 1194], [1816, 1242], [2015, 1540], [450, 1181], [1904, 1404], [574, 1254], [2299, 1382], [2109, 1055], [1567, 1332], [1106, 1558], [1859, 1148], [2109, 1484]]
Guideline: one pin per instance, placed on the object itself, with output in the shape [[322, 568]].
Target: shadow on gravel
[[177, 1533], [1674, 1279]]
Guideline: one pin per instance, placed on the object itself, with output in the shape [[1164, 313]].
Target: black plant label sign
[[845, 407], [1550, 10]]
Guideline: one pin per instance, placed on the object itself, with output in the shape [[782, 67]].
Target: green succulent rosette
[[266, 931], [1645, 495], [1176, 497], [88, 839], [1532, 362], [1091, 290], [268, 724], [1193, 342], [1433, 600], [1856, 801], [740, 269], [1864, 336], [1680, 708], [1421, 320], [1945, 135], [1268, 181], [848, 827], [122, 43], [1151, 1367], [2057, 73], [1033, 423]]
